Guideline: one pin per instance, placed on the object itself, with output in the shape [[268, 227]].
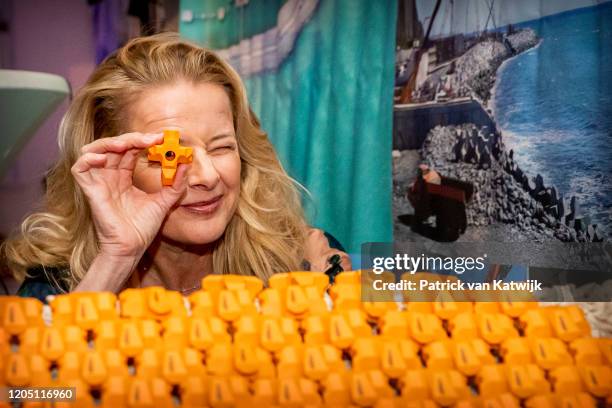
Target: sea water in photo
[[554, 106]]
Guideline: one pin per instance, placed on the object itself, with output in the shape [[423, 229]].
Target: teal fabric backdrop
[[328, 110]]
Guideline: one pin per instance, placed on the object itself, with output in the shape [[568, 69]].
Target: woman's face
[[203, 115]]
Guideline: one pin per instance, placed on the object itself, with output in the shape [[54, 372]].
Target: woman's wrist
[[108, 273]]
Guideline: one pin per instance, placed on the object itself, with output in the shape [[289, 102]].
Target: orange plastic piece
[[365, 351], [566, 380], [579, 400], [569, 323], [448, 387], [586, 351], [605, 346], [315, 330], [39, 371], [516, 351], [93, 369], [438, 356], [516, 309], [151, 303], [369, 387], [491, 381], [448, 310], [535, 323], [394, 325], [264, 393], [16, 314], [52, 343], [173, 367], [506, 400], [597, 380], [219, 360], [496, 327], [336, 390], [469, 356], [170, 154], [414, 386], [425, 327], [550, 353], [17, 370], [527, 380], [398, 356], [204, 333], [463, 326], [115, 392], [194, 392]]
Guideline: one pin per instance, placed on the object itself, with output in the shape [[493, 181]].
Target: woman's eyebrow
[[221, 136]]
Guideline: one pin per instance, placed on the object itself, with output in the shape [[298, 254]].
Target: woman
[[110, 224]]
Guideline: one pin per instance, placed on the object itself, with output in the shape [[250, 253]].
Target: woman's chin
[[195, 232]]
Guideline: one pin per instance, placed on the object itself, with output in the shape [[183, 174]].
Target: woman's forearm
[[107, 273]]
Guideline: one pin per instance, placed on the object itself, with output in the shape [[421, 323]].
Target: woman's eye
[[223, 148]]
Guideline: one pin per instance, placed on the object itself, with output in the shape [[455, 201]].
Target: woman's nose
[[202, 172]]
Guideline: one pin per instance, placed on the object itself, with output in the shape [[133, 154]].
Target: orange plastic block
[[298, 392], [605, 346], [414, 386], [227, 391], [346, 296], [506, 400], [597, 380], [448, 310], [550, 353], [586, 351], [495, 327], [149, 393], [463, 326], [17, 370], [516, 351], [425, 327], [535, 323], [52, 343], [170, 154], [275, 333], [264, 392], [85, 310], [336, 389], [526, 380], [345, 327], [365, 352], [290, 362], [398, 356], [16, 314], [580, 400], [568, 322], [394, 325], [566, 380], [194, 392], [368, 387], [448, 387], [151, 303], [315, 329], [219, 360], [39, 371], [115, 392], [516, 309], [491, 381], [69, 367], [437, 355], [204, 333], [469, 356]]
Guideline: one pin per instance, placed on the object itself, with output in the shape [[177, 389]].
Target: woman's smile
[[206, 207]]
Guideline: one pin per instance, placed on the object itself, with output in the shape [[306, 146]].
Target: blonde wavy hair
[[267, 232]]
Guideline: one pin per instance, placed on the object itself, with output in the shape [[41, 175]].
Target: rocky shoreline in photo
[[504, 194]]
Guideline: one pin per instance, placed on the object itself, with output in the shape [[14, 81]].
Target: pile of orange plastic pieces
[[235, 343]]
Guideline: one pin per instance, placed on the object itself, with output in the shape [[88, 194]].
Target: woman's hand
[[317, 252], [126, 218]]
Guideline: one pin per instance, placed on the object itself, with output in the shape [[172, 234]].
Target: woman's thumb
[[172, 194]]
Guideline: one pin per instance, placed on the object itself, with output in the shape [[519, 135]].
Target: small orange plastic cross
[[170, 154]]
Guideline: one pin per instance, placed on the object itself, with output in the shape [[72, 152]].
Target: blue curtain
[[328, 110]]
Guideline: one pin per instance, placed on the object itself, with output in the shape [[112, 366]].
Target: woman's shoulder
[[42, 281]]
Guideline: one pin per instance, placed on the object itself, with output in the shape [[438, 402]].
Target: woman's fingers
[[169, 196], [88, 161], [120, 144]]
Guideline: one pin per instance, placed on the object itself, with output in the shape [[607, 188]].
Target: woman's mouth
[[204, 207]]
